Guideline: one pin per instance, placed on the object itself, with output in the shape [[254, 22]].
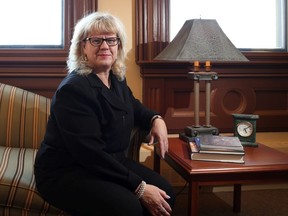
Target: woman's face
[[102, 56]]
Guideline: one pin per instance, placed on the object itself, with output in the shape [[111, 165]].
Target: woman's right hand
[[153, 199]]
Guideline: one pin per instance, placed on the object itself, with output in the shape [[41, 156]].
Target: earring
[[85, 58]]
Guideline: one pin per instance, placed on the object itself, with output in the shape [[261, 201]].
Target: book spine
[[197, 142]]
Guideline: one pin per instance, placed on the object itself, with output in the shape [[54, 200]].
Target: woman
[[81, 165]]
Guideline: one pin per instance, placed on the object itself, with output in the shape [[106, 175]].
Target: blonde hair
[[97, 22]]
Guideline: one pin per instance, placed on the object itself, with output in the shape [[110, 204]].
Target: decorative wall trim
[[152, 28], [252, 88]]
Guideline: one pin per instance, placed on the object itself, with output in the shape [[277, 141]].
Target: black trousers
[[81, 194]]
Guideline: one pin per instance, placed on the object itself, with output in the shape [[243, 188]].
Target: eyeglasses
[[96, 42]]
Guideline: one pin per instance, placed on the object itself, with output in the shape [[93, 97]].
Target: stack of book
[[216, 148]]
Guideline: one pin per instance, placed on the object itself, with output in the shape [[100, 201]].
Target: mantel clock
[[245, 128]]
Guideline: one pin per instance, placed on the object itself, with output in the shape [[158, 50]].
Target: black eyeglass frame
[[107, 40]]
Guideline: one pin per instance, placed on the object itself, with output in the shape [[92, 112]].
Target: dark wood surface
[[262, 165], [252, 88]]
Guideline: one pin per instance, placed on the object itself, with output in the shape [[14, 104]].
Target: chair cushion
[[23, 116], [17, 183]]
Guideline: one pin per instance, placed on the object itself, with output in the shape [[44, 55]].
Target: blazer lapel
[[116, 100]]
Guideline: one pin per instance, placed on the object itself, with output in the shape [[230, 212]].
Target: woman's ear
[[120, 46], [83, 45]]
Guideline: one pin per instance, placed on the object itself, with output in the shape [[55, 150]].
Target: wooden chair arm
[[137, 137]]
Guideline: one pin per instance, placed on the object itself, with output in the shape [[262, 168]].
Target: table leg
[[193, 199], [237, 198], [156, 163]]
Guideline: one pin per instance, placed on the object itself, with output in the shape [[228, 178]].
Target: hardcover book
[[224, 158], [230, 156], [220, 143]]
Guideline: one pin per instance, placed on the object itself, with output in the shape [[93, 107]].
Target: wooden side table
[[262, 165]]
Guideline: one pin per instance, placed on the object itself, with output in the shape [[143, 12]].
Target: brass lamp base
[[190, 132]]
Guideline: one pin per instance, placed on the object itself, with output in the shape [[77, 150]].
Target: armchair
[[23, 119]]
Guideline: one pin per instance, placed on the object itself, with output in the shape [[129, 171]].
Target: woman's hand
[[159, 133], [153, 199]]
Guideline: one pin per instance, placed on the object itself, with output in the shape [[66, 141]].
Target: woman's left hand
[[155, 200], [159, 133]]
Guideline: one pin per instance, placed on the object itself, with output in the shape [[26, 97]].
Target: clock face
[[244, 128]]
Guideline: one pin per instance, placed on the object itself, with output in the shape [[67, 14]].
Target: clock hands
[[245, 129]]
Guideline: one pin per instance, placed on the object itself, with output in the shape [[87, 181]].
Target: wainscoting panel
[[248, 88]]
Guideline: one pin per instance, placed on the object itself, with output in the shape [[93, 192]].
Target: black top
[[90, 127]]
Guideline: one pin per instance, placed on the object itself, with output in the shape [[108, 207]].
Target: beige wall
[[125, 10]]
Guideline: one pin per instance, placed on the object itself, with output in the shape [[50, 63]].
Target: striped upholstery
[[23, 118]]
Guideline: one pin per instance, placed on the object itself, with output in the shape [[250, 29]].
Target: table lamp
[[201, 41]]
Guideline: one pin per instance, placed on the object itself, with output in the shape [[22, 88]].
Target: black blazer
[[90, 127]]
